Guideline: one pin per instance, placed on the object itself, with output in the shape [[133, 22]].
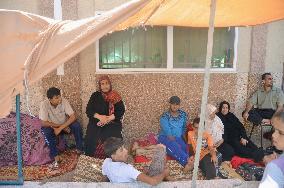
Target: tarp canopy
[[37, 45], [195, 13]]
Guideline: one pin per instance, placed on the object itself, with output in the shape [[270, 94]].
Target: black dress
[[233, 132], [97, 104]]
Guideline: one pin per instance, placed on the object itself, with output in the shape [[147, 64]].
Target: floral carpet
[[69, 162]]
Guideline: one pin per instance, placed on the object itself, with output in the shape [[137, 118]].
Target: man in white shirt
[[57, 117], [118, 171]]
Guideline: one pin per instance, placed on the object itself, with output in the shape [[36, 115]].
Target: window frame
[[170, 68]]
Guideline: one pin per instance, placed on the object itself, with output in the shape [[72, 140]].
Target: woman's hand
[[214, 160], [103, 118], [243, 141], [111, 117]]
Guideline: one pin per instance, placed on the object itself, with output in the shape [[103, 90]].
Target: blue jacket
[[173, 126]]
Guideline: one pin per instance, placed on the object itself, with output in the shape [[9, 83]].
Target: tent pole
[[20, 180], [205, 90], [19, 146]]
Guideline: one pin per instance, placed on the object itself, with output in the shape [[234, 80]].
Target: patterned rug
[[89, 170], [69, 162]]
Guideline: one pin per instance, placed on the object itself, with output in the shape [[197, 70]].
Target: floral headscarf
[[111, 96]]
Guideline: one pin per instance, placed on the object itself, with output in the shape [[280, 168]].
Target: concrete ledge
[[224, 183]]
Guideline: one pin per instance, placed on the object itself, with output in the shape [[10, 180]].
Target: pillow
[[89, 169]]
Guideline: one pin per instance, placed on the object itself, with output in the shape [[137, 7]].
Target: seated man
[[173, 129], [264, 102], [57, 116]]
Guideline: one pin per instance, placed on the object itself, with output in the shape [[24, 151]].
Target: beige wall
[[24, 5], [146, 95], [103, 5], [275, 47], [244, 47]]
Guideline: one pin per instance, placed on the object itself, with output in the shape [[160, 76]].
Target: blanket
[[35, 151]]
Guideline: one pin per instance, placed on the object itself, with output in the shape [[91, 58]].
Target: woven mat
[[70, 159], [89, 169]]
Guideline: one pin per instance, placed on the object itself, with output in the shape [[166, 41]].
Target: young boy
[[208, 158], [57, 117], [118, 171]]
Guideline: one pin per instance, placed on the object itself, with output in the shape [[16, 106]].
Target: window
[[190, 46], [144, 49], [137, 48]]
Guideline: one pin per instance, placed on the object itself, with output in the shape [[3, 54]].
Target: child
[[118, 171], [274, 171], [208, 158]]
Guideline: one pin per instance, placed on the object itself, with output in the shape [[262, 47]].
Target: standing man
[[173, 129], [264, 102], [57, 117]]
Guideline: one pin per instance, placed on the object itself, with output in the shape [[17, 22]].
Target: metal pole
[[20, 180], [205, 90], [19, 146]]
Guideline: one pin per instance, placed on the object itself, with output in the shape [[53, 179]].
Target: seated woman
[[105, 110], [208, 159], [235, 134], [173, 127], [215, 127]]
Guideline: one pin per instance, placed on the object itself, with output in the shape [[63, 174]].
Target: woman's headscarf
[[104, 77], [209, 110], [111, 96], [214, 126]]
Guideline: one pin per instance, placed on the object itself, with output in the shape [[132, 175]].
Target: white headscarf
[[214, 126]]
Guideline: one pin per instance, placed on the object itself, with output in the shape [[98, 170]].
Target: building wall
[[146, 94], [243, 67], [275, 47], [30, 6], [274, 61], [87, 66]]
